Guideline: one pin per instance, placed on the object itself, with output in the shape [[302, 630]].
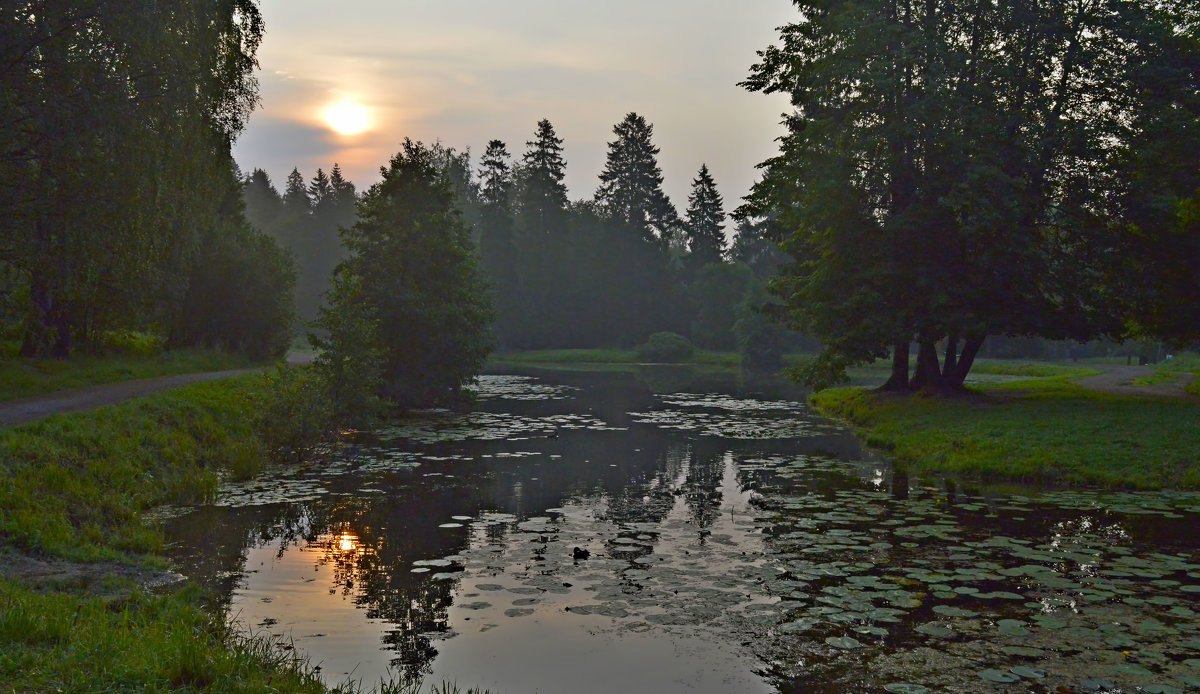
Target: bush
[[295, 415], [666, 347]]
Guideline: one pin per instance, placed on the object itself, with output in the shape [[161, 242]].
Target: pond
[[680, 530]]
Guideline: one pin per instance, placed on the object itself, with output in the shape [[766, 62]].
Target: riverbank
[[73, 489], [613, 358], [1045, 431], [23, 378]]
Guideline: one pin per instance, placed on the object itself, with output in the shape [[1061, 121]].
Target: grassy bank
[[72, 489], [20, 378], [569, 357], [1048, 431]]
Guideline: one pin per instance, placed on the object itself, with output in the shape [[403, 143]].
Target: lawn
[[1044, 431]]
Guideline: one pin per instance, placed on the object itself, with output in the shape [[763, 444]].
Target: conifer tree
[[630, 189], [543, 195], [319, 190], [705, 226]]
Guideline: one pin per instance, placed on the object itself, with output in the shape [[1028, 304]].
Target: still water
[[679, 531]]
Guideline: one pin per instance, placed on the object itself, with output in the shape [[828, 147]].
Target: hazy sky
[[468, 71]]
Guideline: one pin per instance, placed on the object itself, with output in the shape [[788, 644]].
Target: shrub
[[666, 347]]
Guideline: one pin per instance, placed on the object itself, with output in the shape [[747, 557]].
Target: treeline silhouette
[[608, 271]]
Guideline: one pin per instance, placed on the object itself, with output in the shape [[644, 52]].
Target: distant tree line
[[121, 205], [304, 220], [959, 169], [603, 272]]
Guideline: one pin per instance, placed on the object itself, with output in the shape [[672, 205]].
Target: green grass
[[73, 485], [20, 378], [56, 641], [1028, 369], [604, 356], [1045, 431]]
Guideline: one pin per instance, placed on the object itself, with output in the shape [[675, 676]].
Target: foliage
[[296, 415], [713, 298], [239, 292], [73, 485], [950, 171], [665, 347], [349, 359], [761, 341], [305, 221], [1040, 431], [704, 226], [160, 91], [411, 278], [630, 189]]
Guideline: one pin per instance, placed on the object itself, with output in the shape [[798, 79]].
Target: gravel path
[[1118, 380], [27, 410]]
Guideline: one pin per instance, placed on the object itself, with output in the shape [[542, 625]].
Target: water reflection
[[590, 532]]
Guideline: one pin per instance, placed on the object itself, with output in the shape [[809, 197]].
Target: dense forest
[[122, 206], [604, 272]]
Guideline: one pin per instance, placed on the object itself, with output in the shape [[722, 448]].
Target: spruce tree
[[319, 190], [543, 195], [630, 189], [705, 226]]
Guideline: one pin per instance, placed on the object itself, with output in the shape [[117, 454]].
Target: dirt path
[[1118, 380], [27, 410]]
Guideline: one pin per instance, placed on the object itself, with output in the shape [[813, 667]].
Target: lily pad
[[904, 688], [998, 676], [1027, 672], [844, 642]]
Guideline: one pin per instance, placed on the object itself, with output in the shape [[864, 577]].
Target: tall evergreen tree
[[263, 202], [705, 225], [497, 249], [319, 190], [342, 192], [631, 184], [543, 195], [296, 200]]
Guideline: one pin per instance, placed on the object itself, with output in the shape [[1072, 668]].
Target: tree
[[319, 191], [542, 194], [705, 225], [631, 184], [155, 92], [263, 202], [414, 280], [540, 237], [948, 172], [497, 249]]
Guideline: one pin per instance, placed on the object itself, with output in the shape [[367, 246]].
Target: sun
[[347, 118]]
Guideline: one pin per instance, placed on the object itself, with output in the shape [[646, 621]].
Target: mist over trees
[[610, 271], [118, 190], [955, 170], [304, 220]]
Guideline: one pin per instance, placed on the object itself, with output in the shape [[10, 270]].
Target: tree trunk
[[951, 355], [35, 343], [966, 361], [928, 369], [899, 377]]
